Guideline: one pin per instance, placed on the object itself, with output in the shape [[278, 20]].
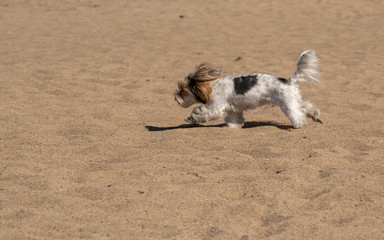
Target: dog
[[232, 95]]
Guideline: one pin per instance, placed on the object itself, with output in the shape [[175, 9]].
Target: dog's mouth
[[178, 97], [185, 103], [184, 98]]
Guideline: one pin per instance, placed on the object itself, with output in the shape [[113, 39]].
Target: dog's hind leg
[[292, 108], [312, 111], [234, 119]]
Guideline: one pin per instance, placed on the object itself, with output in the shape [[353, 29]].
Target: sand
[[93, 145]]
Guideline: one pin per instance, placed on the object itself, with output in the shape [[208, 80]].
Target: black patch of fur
[[244, 83], [283, 80]]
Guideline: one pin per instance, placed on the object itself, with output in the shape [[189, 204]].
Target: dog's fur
[[233, 95]]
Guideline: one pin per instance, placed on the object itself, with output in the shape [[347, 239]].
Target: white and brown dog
[[234, 94]]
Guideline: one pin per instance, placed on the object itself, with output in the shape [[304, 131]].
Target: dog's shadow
[[252, 124]]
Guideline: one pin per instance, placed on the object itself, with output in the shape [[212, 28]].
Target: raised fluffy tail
[[307, 68]]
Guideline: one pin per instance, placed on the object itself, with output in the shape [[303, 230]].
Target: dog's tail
[[307, 68]]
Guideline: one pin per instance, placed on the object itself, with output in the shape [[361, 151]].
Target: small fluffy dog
[[233, 95]]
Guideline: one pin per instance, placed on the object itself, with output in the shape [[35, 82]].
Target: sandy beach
[[93, 145]]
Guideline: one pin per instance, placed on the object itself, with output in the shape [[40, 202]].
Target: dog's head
[[197, 86]]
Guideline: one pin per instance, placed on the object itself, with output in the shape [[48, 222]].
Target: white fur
[[223, 98]]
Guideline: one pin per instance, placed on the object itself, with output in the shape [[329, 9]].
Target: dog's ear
[[200, 81], [201, 90], [205, 73]]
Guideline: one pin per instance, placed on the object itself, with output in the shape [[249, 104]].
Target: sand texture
[[93, 145]]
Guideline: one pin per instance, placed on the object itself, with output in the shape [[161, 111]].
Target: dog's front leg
[[203, 114]]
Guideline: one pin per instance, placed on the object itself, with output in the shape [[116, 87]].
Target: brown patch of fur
[[200, 81], [201, 91]]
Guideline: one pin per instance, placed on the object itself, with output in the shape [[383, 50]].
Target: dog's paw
[[235, 125], [196, 111], [197, 116], [188, 119], [318, 119], [192, 119]]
